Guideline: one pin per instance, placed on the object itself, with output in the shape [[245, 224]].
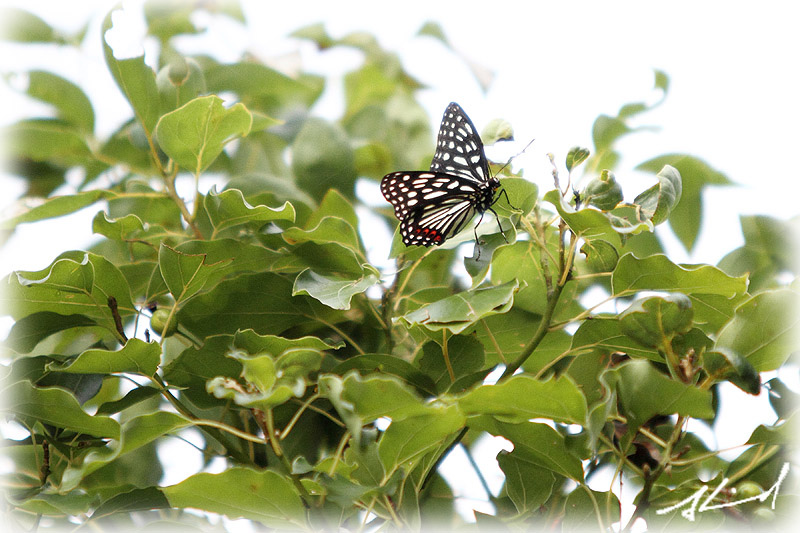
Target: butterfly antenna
[[514, 156]]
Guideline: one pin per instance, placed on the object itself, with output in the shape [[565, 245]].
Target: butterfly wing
[[459, 149], [431, 206]]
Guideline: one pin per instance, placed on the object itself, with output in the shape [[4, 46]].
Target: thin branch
[[651, 477], [541, 331]]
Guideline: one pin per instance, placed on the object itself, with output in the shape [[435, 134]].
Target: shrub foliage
[[326, 391]]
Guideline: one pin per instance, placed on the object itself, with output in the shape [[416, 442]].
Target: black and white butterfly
[[433, 206]]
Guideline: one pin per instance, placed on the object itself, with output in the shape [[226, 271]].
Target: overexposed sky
[[733, 95]]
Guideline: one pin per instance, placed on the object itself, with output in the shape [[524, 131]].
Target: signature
[[694, 505]]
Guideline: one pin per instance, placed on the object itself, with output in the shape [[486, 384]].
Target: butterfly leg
[[503, 191], [475, 230], [499, 225], [477, 241]]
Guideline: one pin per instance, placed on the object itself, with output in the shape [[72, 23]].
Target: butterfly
[[434, 205]]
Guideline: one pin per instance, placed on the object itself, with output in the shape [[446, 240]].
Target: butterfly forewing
[[459, 149]]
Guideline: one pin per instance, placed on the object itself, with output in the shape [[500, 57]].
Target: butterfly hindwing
[[432, 206]]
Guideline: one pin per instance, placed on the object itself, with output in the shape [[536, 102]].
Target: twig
[[651, 477], [112, 305]]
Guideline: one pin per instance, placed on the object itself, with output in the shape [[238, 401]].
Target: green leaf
[[315, 33], [135, 396], [166, 20], [56, 206], [237, 256], [330, 230], [24, 27], [734, 367], [277, 368], [145, 499], [332, 291], [322, 159], [601, 256], [262, 302], [606, 131], [466, 356], [388, 364], [477, 266], [179, 82], [135, 433], [54, 504], [136, 80], [128, 146], [586, 223], [47, 140], [262, 88], [535, 444], [76, 283], [605, 335], [695, 174], [783, 434], [657, 272], [136, 357], [434, 29], [580, 513], [195, 134], [655, 320], [456, 313], [366, 397], [56, 407], [28, 331], [645, 392], [264, 360], [127, 228], [770, 246], [763, 329], [405, 441], [185, 274], [497, 130], [228, 209], [603, 192], [70, 102], [784, 401], [658, 201], [522, 261], [576, 156], [195, 366], [524, 397], [333, 204], [262, 496], [527, 484]]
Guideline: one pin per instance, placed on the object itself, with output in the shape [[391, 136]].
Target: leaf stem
[[296, 417]]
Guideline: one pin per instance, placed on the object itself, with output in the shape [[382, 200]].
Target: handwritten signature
[[693, 500]]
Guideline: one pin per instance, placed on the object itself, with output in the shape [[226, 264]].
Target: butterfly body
[[434, 205]]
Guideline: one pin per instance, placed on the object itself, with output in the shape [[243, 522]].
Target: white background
[[733, 101]]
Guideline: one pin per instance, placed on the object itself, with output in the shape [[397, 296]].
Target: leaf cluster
[[330, 389]]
